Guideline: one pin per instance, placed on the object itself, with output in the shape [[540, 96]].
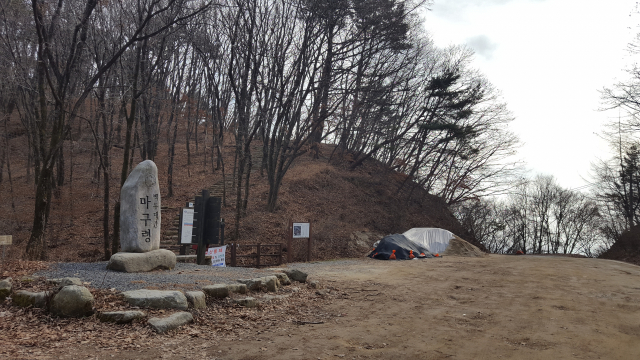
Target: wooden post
[[279, 254], [309, 244], [233, 255], [258, 258], [289, 241]]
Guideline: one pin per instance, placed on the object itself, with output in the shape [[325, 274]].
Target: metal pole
[[258, 261], [233, 255], [289, 241], [309, 245], [222, 232]]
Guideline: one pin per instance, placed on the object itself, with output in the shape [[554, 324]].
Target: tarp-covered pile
[[434, 239], [401, 245]]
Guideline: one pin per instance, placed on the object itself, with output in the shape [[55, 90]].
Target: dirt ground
[[494, 307]]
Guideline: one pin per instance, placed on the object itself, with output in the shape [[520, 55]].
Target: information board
[[300, 230], [186, 226]]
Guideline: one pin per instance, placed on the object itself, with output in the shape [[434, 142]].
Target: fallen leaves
[[24, 329]]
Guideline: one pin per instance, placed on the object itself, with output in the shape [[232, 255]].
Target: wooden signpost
[[298, 231]]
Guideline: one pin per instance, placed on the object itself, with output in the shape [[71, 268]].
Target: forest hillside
[[348, 209]]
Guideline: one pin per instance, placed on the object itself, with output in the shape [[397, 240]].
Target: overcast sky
[[549, 58]]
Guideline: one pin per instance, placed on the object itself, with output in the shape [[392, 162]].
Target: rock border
[[75, 300]]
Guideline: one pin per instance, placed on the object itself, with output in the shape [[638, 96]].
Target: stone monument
[[140, 221]]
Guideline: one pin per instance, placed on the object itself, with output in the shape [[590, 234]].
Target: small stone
[[162, 325], [218, 291], [314, 284], [121, 317], [196, 299], [6, 286], [247, 302], [72, 301], [296, 275], [157, 299], [25, 298], [322, 293]]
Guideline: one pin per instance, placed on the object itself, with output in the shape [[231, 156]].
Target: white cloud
[[482, 45]]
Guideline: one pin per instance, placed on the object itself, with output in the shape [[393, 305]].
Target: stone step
[[156, 299]]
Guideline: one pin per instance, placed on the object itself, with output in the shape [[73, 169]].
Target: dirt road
[[496, 307]]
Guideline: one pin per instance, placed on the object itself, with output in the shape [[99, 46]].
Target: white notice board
[[217, 255], [186, 226], [300, 230], [6, 239]]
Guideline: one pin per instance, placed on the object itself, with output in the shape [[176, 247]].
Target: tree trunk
[[37, 247]]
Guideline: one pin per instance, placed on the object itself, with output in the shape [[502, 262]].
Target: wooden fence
[[262, 251]]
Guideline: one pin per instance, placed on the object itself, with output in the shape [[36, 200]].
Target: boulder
[[218, 291], [121, 317], [196, 299], [247, 302], [271, 283], [140, 209], [25, 298], [283, 279], [296, 275], [156, 299], [142, 262], [237, 288], [72, 301], [6, 286], [162, 325]]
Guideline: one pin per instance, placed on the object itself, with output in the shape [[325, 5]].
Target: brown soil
[[492, 307]]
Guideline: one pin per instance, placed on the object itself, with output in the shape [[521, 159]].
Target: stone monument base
[[142, 262]]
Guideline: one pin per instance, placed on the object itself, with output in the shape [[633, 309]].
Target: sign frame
[[298, 230]]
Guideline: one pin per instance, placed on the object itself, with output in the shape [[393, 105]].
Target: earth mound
[[460, 247], [626, 248]]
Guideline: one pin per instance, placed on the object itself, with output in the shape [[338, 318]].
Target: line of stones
[[72, 299]]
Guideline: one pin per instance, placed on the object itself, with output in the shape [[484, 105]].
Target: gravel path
[[186, 276]]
